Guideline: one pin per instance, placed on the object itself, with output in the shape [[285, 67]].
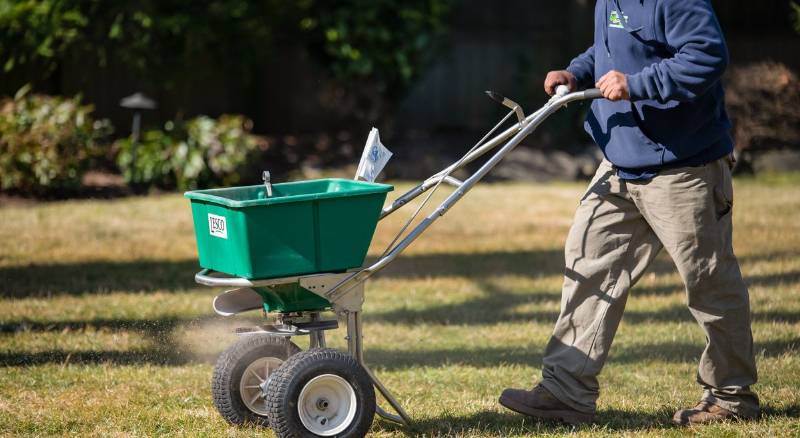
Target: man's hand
[[614, 86], [560, 77]]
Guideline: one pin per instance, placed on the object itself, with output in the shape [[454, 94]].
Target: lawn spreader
[[295, 250]]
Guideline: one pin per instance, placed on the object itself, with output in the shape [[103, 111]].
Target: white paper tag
[[217, 226], [373, 159]]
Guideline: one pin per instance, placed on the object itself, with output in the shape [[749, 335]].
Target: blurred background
[[130, 96]]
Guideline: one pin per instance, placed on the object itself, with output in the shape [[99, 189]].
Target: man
[[665, 183]]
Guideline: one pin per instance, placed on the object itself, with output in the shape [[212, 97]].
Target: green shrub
[[380, 41], [47, 143], [796, 16], [201, 152], [379, 45]]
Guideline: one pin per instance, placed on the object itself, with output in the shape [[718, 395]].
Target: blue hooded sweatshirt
[[673, 54]]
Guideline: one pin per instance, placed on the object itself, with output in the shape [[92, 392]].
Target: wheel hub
[[327, 405], [253, 385]]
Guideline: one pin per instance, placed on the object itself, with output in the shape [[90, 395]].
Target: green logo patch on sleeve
[[615, 21]]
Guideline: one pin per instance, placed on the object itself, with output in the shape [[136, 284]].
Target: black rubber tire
[[231, 366], [289, 379]]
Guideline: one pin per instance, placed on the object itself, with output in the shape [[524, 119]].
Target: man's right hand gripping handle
[[559, 77]]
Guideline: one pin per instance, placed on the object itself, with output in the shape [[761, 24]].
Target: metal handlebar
[[592, 93], [559, 99], [516, 133]]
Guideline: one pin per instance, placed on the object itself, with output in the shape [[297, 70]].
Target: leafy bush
[[362, 39], [381, 46], [34, 32], [201, 152], [154, 37], [372, 49], [796, 16], [764, 104], [47, 143], [356, 38]]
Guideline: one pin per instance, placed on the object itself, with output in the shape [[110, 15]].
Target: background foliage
[[378, 42], [381, 44], [765, 112], [153, 37], [796, 9], [47, 143], [201, 152], [314, 74]]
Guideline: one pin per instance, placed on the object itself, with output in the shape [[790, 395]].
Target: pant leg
[[607, 249], [689, 210]]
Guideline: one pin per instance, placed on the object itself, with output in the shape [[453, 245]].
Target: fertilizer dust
[[203, 339]]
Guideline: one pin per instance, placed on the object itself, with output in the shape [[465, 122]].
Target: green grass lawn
[[103, 332]]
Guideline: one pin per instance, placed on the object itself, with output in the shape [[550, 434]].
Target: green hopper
[[323, 225]]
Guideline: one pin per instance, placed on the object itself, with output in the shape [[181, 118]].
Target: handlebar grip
[[562, 90], [592, 93]]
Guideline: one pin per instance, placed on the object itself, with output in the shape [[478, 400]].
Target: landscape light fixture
[[137, 102]]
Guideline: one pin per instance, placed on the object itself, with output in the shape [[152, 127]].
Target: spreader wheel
[[241, 375], [320, 392]]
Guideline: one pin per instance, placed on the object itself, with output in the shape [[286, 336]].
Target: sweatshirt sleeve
[[692, 31], [582, 68]]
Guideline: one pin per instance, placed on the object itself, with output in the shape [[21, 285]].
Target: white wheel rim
[[253, 385], [327, 405]]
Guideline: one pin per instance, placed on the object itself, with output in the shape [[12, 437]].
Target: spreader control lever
[[508, 103], [267, 183]]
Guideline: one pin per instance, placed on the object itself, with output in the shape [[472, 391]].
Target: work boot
[[540, 403], [703, 413]]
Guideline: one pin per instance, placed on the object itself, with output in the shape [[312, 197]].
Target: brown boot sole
[[567, 416], [729, 419]]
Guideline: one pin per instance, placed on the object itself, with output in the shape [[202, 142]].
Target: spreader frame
[[345, 291]]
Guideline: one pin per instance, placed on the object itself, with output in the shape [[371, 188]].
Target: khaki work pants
[[619, 228]]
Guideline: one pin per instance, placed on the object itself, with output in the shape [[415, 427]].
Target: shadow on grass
[[497, 304], [494, 423], [155, 328], [790, 411], [509, 423], [486, 357], [164, 350], [534, 263], [151, 356], [97, 278], [168, 275], [38, 280], [760, 280]]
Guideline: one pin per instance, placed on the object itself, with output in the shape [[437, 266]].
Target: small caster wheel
[[320, 392], [241, 374]]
